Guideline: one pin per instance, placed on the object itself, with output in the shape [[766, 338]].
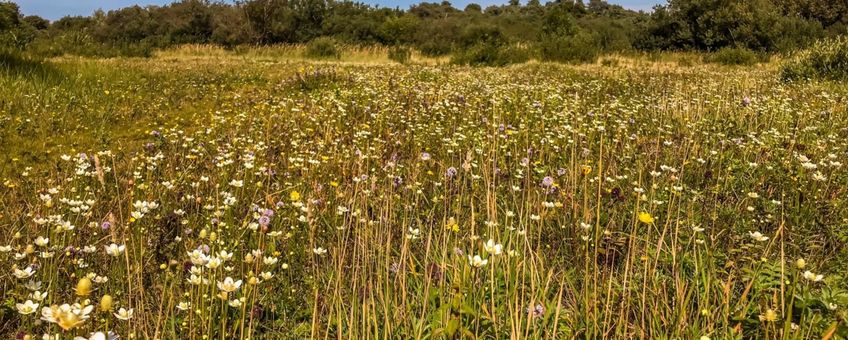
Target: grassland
[[254, 194]]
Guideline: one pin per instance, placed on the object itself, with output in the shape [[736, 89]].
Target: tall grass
[[219, 197]]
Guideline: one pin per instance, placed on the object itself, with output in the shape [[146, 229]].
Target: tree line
[[559, 30]]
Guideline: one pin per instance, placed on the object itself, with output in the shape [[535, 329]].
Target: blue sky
[[54, 9]]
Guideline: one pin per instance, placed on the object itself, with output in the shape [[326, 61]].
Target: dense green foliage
[[567, 30], [323, 47], [826, 60], [734, 56], [400, 54]]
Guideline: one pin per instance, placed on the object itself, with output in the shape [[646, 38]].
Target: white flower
[[23, 274], [812, 276], [27, 307], [115, 250], [413, 234], [492, 248], [234, 303], [124, 314], [319, 251], [476, 261], [184, 305], [41, 241], [228, 285], [757, 236], [213, 263]]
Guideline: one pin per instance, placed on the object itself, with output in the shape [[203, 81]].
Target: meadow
[[204, 194]]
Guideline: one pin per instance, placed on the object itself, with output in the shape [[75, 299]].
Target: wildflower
[[425, 156], [451, 172], [769, 316], [757, 236], [813, 276], [547, 181], [41, 241], [66, 316], [115, 250], [476, 261], [106, 303], [646, 218], [492, 248], [537, 311], [294, 196], [319, 251], [228, 285], [452, 225], [27, 307], [800, 263], [83, 287], [23, 274], [124, 314], [184, 305], [413, 234]]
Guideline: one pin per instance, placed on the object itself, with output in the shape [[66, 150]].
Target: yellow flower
[[452, 225], [769, 316], [587, 169], [646, 218], [84, 287], [106, 303], [294, 196]]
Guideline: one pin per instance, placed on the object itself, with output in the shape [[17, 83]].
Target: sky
[[55, 9]]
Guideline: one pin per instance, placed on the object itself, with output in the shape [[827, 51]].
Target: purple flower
[[560, 172], [746, 101], [155, 133], [451, 172], [264, 221], [537, 311], [398, 181], [547, 181], [525, 161], [105, 225], [425, 156]]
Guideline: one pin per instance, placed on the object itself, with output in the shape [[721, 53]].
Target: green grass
[[625, 199]]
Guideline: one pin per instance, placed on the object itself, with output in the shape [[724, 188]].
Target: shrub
[[825, 60], [323, 48], [486, 45], [578, 48], [609, 62], [400, 54], [734, 56], [491, 55]]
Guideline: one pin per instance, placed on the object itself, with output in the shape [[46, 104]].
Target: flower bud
[[84, 287], [106, 303]]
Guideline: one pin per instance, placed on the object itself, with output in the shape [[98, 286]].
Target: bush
[[323, 48], [579, 48], [734, 56], [486, 45], [400, 54], [825, 60], [491, 55]]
